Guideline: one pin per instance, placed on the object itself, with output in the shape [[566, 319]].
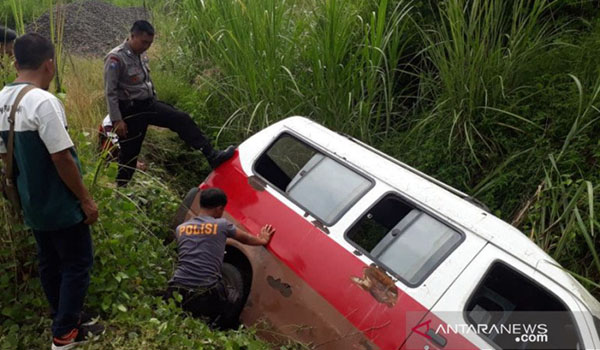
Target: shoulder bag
[[9, 182]]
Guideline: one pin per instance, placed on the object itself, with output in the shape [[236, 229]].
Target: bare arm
[[69, 174], [263, 238]]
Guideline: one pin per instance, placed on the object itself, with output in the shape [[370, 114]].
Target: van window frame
[[529, 279], [414, 206], [326, 153]]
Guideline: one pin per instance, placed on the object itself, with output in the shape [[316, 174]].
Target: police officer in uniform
[[132, 104]]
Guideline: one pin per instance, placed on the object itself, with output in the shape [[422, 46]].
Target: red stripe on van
[[321, 262]]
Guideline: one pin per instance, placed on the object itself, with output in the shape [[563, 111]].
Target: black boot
[[215, 158]]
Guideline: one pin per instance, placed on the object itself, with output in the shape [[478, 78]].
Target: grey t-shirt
[[201, 247]]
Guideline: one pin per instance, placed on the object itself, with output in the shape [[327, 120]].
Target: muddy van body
[[372, 254]]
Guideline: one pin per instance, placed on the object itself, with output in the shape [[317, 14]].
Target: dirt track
[[91, 28]]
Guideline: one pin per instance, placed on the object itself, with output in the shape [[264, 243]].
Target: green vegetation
[[496, 98], [479, 55], [131, 265], [499, 99], [333, 59]]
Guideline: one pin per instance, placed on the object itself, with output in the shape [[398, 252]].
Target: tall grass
[[245, 48], [335, 60], [16, 8], [480, 51], [343, 63], [57, 18], [563, 221], [561, 217], [84, 103], [57, 24], [587, 114], [355, 55]]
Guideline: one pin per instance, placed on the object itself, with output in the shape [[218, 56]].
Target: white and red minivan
[[372, 254]]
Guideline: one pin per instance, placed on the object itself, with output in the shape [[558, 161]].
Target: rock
[[91, 28]]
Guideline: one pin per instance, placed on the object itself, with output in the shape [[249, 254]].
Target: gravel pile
[[91, 28]]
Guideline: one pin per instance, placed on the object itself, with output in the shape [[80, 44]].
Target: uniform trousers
[[210, 303], [138, 115]]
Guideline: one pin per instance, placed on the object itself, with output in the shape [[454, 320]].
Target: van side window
[[506, 299], [404, 239], [317, 183]]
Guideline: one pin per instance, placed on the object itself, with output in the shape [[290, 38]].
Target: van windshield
[[319, 184]]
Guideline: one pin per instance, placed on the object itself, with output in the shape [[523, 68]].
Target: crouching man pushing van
[[201, 248]]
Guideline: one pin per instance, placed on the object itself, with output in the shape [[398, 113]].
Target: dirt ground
[[91, 27]]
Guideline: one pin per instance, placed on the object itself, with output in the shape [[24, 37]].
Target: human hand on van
[[265, 233]]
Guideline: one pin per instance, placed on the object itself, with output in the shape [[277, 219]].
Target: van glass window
[[506, 299], [317, 183], [405, 239]]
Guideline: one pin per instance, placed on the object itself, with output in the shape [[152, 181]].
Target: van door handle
[[438, 339]]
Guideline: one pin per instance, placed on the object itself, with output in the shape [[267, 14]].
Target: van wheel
[[234, 290], [181, 212]]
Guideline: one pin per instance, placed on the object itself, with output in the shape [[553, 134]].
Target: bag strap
[[11, 135]]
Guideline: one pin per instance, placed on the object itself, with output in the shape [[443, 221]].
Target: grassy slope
[[131, 264]]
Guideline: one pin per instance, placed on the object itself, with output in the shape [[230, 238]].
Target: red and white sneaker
[[76, 336]]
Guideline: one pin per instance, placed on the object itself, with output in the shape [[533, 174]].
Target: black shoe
[[91, 330], [88, 318], [216, 158]]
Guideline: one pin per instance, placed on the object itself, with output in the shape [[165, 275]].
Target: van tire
[[234, 290]]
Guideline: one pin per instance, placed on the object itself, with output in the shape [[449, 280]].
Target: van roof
[[441, 198]]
